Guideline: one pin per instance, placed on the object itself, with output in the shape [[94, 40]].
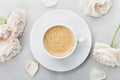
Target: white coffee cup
[[77, 41]]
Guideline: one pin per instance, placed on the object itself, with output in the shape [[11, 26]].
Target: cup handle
[[82, 40]]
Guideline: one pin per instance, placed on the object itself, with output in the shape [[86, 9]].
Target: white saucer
[[60, 17]]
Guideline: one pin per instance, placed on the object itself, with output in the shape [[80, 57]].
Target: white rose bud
[[104, 54]]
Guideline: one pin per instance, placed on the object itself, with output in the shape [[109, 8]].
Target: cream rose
[[5, 32], [9, 49], [96, 8], [104, 54], [16, 21], [9, 33]]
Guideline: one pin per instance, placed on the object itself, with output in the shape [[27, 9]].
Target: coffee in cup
[[59, 41]]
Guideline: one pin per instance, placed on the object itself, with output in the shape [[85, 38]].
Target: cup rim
[[64, 56]]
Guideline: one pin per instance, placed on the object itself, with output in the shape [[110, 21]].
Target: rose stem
[[114, 36]]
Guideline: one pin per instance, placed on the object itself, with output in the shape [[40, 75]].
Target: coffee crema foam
[[59, 41]]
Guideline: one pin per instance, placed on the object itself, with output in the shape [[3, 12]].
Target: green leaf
[[3, 21]]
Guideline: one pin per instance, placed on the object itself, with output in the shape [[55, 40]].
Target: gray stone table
[[101, 28]]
